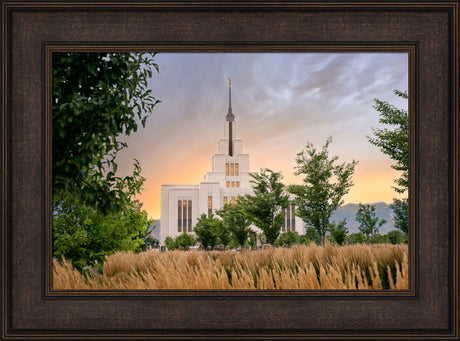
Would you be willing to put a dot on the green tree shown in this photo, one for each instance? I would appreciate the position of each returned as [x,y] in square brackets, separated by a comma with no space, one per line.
[288,238]
[369,223]
[170,243]
[236,221]
[311,235]
[266,206]
[397,237]
[97,98]
[205,230]
[184,241]
[394,142]
[86,236]
[401,214]
[304,239]
[338,231]
[222,232]
[252,242]
[356,238]
[379,239]
[324,185]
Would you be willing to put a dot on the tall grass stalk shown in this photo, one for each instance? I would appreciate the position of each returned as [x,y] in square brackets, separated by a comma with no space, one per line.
[350,267]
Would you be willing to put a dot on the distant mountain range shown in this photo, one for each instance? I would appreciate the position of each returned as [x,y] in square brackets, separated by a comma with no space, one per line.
[348,211]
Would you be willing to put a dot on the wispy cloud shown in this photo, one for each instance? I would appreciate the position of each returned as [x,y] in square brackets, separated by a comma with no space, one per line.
[281,101]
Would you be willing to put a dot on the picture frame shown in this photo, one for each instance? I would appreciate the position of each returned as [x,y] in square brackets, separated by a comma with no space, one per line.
[426,31]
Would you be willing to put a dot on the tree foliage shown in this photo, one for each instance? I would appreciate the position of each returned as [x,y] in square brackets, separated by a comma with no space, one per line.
[222,232]
[379,239]
[206,230]
[368,221]
[356,238]
[265,207]
[184,241]
[394,142]
[97,99]
[236,220]
[338,231]
[288,238]
[401,214]
[324,185]
[396,237]
[86,236]
[311,235]
[170,243]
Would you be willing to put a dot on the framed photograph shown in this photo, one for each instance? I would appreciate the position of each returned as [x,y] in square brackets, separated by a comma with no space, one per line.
[379,46]
[224,198]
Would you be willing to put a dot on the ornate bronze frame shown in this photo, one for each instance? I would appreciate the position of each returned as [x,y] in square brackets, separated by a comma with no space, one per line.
[426,31]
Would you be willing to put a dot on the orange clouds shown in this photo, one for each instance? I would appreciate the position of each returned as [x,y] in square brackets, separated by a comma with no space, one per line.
[372,180]
[281,102]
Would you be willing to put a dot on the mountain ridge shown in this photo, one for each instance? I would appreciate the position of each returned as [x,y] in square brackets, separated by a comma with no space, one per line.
[348,212]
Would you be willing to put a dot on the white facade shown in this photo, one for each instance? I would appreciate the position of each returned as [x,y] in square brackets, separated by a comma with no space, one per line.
[181,205]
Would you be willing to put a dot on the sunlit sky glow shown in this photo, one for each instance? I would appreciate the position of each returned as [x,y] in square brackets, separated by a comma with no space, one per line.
[281,101]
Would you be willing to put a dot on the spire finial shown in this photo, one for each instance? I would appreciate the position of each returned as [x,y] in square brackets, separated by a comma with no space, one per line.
[230,116]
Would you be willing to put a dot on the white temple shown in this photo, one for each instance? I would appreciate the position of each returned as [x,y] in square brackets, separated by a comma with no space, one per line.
[181,205]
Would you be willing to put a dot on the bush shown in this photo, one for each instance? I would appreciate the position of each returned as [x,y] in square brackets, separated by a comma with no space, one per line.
[184,241]
[356,238]
[288,238]
[397,237]
[379,239]
[305,240]
[170,243]
[86,236]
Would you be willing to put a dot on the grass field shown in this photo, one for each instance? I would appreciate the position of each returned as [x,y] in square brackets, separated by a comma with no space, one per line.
[356,267]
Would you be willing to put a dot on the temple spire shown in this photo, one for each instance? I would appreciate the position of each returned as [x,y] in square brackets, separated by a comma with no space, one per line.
[230,118]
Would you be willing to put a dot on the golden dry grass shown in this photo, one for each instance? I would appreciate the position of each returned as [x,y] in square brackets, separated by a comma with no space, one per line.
[357,267]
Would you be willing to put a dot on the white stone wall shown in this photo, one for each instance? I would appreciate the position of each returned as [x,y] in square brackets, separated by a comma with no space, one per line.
[170,195]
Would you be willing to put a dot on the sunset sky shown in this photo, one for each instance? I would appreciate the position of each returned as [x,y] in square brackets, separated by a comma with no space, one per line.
[281,101]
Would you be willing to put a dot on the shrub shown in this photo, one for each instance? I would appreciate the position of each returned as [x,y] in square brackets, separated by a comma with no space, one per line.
[170,243]
[356,238]
[397,237]
[379,239]
[86,236]
[184,241]
[288,238]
